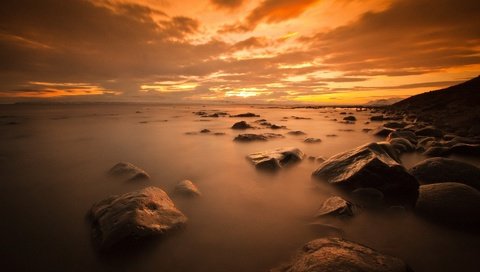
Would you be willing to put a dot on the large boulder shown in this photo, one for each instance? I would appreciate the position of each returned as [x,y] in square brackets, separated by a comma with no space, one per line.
[435,170]
[132,216]
[276,159]
[128,171]
[337,254]
[373,165]
[450,203]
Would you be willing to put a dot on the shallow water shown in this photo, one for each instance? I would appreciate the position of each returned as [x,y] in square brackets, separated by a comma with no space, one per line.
[53,163]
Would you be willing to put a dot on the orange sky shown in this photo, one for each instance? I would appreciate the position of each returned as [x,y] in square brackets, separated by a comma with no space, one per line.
[275,51]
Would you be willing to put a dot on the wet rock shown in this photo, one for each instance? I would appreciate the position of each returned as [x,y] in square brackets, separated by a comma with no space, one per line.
[337,254]
[377,118]
[437,151]
[187,188]
[450,203]
[250,137]
[312,140]
[296,132]
[382,131]
[241,125]
[133,216]
[300,118]
[276,159]
[331,135]
[405,134]
[429,132]
[425,143]
[368,197]
[437,170]
[337,207]
[219,133]
[402,145]
[395,125]
[366,130]
[128,171]
[350,118]
[374,165]
[205,131]
[322,229]
[248,114]
[466,149]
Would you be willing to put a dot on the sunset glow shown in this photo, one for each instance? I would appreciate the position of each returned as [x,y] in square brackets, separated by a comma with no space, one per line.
[275,51]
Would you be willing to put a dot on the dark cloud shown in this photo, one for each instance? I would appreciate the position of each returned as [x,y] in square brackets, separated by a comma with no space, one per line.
[271,11]
[230,4]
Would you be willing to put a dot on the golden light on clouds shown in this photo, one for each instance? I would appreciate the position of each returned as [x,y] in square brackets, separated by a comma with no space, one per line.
[275,51]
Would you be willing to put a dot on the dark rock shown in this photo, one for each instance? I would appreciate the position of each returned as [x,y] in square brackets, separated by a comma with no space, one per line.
[395,124]
[187,188]
[350,118]
[337,207]
[337,254]
[312,140]
[436,170]
[128,171]
[331,135]
[219,133]
[205,131]
[377,118]
[276,159]
[402,145]
[133,216]
[437,151]
[451,203]
[466,149]
[296,132]
[429,132]
[241,125]
[256,137]
[248,114]
[368,197]
[366,129]
[382,131]
[405,134]
[374,165]
[301,118]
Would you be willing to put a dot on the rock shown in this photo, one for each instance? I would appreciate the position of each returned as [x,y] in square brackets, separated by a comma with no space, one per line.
[331,135]
[366,129]
[256,137]
[336,254]
[336,206]
[350,118]
[311,158]
[322,229]
[450,203]
[437,151]
[312,140]
[402,145]
[367,197]
[248,114]
[377,118]
[128,171]
[466,149]
[425,143]
[382,131]
[241,125]
[219,133]
[187,188]
[320,159]
[205,131]
[436,170]
[133,216]
[374,165]
[395,124]
[296,132]
[276,159]
[429,132]
[300,118]
[273,126]
[405,134]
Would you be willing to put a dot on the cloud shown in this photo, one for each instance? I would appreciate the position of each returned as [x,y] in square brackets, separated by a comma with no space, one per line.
[230,4]
[271,11]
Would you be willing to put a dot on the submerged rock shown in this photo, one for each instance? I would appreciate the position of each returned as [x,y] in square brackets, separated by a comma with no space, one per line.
[133,216]
[128,171]
[250,137]
[382,131]
[248,114]
[187,188]
[337,207]
[276,159]
[241,125]
[350,118]
[436,170]
[296,132]
[451,203]
[337,254]
[205,130]
[373,165]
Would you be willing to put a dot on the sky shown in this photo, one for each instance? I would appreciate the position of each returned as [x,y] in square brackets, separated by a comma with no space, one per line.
[235,51]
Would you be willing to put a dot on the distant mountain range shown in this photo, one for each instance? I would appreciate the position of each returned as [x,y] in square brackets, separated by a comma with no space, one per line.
[456,108]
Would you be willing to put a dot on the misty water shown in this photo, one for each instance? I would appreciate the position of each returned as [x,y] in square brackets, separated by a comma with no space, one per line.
[54,161]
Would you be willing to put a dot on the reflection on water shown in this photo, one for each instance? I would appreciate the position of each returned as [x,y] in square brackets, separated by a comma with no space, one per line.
[53,165]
